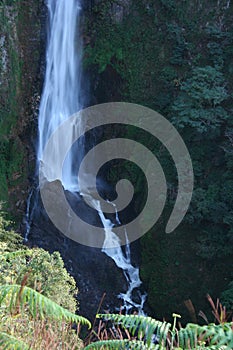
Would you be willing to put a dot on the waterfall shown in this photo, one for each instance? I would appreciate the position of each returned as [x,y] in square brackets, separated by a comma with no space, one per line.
[61,93]
[60,99]
[123,260]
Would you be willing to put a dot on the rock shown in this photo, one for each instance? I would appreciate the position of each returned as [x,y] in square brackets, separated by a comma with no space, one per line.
[95,273]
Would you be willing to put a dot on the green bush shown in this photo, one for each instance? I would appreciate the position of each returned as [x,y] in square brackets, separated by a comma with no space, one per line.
[46,272]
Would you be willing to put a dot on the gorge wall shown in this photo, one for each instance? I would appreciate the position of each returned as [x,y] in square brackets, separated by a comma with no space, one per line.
[174,58]
[22,56]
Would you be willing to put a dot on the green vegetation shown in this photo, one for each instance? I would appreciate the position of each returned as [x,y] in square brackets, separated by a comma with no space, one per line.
[42,269]
[176,58]
[37,296]
[16,296]
[45,272]
[38,310]
[30,319]
[19,61]
[143,330]
[11,153]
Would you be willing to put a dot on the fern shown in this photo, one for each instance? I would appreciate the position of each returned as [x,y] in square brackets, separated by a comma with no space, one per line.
[193,336]
[144,326]
[217,335]
[9,342]
[121,345]
[16,296]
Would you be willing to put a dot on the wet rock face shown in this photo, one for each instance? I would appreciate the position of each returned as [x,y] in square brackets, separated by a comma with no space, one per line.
[21,52]
[119,9]
[94,272]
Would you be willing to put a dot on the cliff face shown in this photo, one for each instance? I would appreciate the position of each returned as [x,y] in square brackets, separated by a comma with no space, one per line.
[172,56]
[21,50]
[22,67]
[175,57]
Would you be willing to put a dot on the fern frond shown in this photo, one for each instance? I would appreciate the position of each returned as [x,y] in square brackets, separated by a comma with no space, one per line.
[144,326]
[216,335]
[114,344]
[9,342]
[15,296]
[187,338]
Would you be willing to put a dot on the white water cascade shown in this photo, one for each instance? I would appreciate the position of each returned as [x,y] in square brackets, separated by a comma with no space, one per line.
[60,99]
[123,260]
[61,93]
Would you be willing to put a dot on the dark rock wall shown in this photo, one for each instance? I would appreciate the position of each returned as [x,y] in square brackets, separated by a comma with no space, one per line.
[154,53]
[22,49]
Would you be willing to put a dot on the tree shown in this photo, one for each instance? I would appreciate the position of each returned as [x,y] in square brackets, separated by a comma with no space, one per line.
[199,104]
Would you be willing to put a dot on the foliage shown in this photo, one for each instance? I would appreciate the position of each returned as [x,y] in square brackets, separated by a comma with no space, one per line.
[20,48]
[176,57]
[199,104]
[227,297]
[28,317]
[9,342]
[14,297]
[221,315]
[25,306]
[142,332]
[113,344]
[11,151]
[9,239]
[144,329]
[39,334]
[46,272]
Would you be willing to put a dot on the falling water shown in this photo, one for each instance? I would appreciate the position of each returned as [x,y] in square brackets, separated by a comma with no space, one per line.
[61,92]
[123,260]
[30,207]
[60,99]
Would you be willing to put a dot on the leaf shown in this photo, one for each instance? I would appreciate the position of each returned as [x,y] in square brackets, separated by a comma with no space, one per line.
[37,304]
[144,327]
[214,337]
[121,345]
[9,342]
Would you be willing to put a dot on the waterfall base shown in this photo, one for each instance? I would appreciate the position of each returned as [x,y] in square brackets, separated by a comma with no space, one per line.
[95,273]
